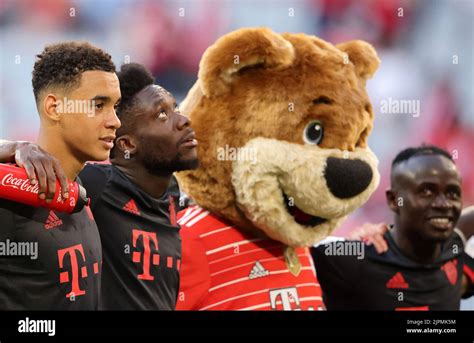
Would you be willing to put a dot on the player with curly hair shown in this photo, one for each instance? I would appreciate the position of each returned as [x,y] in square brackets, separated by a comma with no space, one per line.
[65,274]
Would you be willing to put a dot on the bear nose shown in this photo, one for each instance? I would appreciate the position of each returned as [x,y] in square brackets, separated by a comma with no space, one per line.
[347,178]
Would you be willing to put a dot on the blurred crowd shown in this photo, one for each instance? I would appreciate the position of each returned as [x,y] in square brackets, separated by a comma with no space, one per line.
[426,48]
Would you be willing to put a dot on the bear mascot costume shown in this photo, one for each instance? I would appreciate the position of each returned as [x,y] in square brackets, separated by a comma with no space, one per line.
[282,123]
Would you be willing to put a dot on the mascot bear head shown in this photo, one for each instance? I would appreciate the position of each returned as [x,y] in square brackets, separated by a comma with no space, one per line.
[282,123]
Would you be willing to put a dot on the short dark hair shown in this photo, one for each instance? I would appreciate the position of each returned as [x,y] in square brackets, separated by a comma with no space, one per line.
[62,64]
[408,153]
[133,78]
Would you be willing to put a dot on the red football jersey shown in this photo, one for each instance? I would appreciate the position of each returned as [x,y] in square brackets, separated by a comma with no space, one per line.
[225,269]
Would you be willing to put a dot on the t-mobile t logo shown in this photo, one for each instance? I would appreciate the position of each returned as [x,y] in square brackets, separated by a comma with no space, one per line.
[64,276]
[287,297]
[148,238]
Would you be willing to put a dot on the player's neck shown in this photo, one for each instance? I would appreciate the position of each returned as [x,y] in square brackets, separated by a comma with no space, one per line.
[152,184]
[418,250]
[56,147]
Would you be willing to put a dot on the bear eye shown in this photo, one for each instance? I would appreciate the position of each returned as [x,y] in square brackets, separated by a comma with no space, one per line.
[323,100]
[313,132]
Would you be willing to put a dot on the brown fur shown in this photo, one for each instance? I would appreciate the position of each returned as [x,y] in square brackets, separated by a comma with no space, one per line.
[231,104]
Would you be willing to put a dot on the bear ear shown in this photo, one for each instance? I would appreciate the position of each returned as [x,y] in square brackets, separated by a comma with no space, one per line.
[363,56]
[244,48]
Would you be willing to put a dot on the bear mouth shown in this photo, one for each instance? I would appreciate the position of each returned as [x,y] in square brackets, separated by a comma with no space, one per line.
[301,217]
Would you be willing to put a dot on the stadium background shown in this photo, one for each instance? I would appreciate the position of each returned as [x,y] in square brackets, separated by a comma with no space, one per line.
[426,48]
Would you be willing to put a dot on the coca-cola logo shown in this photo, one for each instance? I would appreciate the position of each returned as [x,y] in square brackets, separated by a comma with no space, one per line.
[19,183]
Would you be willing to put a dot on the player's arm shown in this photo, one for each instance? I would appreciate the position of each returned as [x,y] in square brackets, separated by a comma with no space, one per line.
[7,150]
[40,166]
[467,288]
[371,234]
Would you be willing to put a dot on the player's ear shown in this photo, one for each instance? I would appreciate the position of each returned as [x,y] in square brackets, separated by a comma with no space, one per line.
[51,108]
[392,201]
[127,145]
